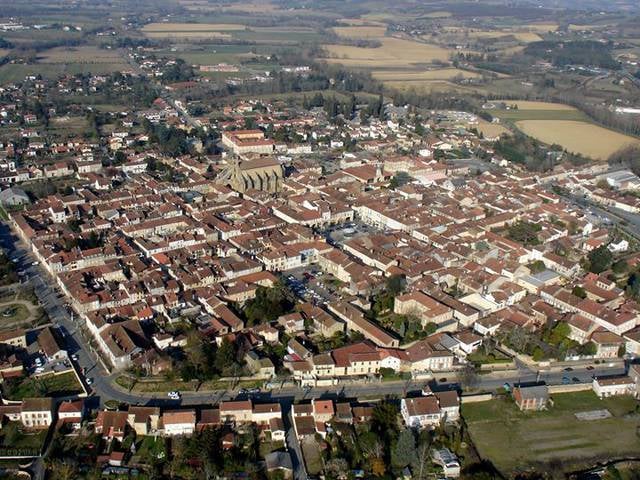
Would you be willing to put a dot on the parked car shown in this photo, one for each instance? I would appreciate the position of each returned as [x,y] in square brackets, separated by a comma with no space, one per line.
[174,395]
[74,357]
[565,380]
[89,381]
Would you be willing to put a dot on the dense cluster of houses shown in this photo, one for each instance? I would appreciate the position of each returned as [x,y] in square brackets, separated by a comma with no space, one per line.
[130,249]
[139,241]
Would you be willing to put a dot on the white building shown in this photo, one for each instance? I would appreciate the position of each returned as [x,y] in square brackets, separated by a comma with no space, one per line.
[179,422]
[36,413]
[612,386]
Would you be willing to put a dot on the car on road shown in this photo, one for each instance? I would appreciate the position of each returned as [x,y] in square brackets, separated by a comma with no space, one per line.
[174,395]
[568,369]
[590,367]
[575,380]
[565,380]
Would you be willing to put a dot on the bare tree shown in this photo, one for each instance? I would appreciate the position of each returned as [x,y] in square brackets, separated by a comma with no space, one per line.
[469,377]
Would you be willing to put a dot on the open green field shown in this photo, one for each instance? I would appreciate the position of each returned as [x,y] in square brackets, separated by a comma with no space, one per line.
[55,62]
[26,37]
[82,55]
[515,440]
[11,73]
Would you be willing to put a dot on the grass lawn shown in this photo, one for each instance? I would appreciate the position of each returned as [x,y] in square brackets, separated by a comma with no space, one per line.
[311,453]
[515,440]
[493,357]
[149,448]
[49,385]
[270,446]
[28,295]
[16,72]
[13,313]
[17,441]
[161,385]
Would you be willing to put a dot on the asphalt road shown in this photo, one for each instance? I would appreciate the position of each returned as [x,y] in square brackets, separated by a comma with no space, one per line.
[626,221]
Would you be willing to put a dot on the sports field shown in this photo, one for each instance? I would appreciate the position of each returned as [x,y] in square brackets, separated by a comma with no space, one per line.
[578,136]
[514,440]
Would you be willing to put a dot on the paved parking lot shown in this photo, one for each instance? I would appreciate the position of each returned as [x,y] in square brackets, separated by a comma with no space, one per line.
[312,285]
